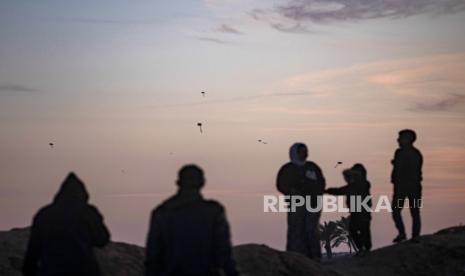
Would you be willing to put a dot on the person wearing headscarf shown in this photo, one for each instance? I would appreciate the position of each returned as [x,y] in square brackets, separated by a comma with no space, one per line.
[300,177]
[64,233]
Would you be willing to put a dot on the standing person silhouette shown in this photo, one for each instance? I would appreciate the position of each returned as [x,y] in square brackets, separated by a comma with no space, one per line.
[64,233]
[300,177]
[189,235]
[406,177]
[359,219]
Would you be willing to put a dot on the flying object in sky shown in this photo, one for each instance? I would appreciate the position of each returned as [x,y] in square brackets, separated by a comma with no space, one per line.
[337,164]
[200,127]
[263,142]
[203,93]
[51,145]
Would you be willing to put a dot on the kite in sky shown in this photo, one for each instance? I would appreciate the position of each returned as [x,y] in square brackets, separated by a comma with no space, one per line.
[337,164]
[200,127]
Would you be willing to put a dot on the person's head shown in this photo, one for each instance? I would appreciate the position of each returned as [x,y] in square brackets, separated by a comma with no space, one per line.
[72,190]
[298,153]
[190,177]
[359,168]
[356,174]
[347,173]
[406,138]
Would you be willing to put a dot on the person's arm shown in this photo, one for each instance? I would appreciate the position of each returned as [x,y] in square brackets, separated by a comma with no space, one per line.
[321,178]
[283,183]
[395,167]
[31,258]
[100,236]
[154,246]
[222,245]
[416,163]
[337,191]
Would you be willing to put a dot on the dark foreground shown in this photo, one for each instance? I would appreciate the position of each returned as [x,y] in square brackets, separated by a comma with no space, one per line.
[442,253]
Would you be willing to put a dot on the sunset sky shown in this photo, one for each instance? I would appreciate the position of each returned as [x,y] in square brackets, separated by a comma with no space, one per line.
[116,86]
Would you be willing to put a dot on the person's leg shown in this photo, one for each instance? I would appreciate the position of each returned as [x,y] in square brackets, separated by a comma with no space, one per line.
[414,204]
[313,234]
[354,231]
[296,234]
[397,205]
[367,233]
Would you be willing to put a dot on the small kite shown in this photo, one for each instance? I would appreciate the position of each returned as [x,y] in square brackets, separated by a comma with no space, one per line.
[337,164]
[200,127]
[203,93]
[51,145]
[263,142]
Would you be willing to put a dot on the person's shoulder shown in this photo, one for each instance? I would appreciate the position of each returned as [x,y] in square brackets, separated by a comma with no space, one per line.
[416,150]
[312,164]
[286,169]
[43,211]
[368,184]
[398,152]
[91,209]
[287,166]
[163,205]
[214,205]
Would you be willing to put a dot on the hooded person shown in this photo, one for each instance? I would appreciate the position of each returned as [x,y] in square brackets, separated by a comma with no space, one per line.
[360,218]
[300,177]
[189,235]
[64,233]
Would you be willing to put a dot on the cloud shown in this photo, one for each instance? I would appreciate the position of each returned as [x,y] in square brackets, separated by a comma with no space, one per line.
[294,16]
[212,39]
[16,88]
[445,103]
[431,83]
[297,28]
[224,28]
[322,11]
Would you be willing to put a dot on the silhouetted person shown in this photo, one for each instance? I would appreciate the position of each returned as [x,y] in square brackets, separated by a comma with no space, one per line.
[406,177]
[189,235]
[64,233]
[303,178]
[359,219]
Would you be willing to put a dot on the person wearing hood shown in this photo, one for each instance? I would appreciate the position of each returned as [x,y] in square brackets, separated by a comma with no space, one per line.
[302,178]
[189,235]
[360,218]
[64,233]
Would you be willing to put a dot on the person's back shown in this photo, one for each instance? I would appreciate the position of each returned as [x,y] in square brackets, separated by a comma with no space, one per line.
[64,233]
[189,235]
[407,165]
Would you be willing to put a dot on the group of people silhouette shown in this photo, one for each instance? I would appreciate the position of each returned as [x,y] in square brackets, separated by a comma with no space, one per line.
[190,235]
